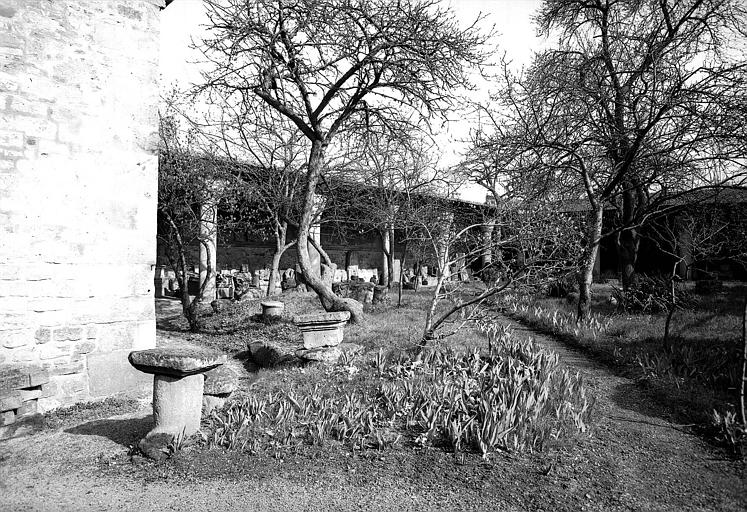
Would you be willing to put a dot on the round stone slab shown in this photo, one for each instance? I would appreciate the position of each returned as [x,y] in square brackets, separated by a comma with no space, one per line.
[220,381]
[323,318]
[176,361]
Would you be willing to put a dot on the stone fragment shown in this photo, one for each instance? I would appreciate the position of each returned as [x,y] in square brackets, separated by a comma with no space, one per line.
[380,294]
[7,417]
[328,355]
[220,380]
[268,354]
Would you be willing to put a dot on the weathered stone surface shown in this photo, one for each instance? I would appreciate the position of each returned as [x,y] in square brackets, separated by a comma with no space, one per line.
[321,318]
[176,361]
[177,404]
[327,335]
[10,400]
[111,373]
[19,377]
[220,380]
[212,402]
[7,417]
[329,355]
[268,354]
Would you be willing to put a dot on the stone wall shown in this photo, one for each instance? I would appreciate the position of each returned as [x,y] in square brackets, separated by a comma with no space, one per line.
[78,181]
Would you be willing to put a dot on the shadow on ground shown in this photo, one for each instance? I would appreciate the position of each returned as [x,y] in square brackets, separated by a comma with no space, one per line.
[123,431]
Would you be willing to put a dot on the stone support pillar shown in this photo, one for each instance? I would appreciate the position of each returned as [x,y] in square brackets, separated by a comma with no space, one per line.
[486,257]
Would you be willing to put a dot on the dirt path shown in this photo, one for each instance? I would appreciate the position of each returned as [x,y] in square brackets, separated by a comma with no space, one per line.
[652,463]
[635,460]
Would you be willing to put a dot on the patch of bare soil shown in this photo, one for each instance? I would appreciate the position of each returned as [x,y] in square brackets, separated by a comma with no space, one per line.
[635,459]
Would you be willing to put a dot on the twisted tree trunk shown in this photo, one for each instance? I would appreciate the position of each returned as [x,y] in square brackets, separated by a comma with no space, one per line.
[329,300]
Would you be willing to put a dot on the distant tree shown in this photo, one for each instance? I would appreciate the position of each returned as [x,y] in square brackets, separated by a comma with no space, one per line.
[393,174]
[267,156]
[540,245]
[332,66]
[639,101]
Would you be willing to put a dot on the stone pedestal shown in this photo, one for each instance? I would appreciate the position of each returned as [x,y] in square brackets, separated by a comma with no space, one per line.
[322,329]
[177,391]
[272,309]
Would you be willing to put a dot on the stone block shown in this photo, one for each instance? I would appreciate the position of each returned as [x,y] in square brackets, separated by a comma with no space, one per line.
[7,418]
[27,408]
[30,394]
[221,380]
[68,333]
[21,377]
[15,338]
[110,373]
[328,355]
[10,400]
[43,335]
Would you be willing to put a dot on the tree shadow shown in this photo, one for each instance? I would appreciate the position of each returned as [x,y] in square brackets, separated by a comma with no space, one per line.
[126,431]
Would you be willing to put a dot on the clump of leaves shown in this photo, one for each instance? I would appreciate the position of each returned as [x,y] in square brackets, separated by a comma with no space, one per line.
[517,398]
[730,431]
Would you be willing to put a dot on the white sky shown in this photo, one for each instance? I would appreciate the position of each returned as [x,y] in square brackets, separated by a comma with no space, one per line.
[184,20]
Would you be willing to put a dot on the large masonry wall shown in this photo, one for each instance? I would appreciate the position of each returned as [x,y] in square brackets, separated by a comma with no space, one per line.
[78,181]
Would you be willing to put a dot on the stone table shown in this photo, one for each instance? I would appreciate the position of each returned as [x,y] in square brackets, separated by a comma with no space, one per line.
[177,390]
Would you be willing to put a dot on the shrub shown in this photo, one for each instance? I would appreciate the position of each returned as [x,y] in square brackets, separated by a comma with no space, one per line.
[563,286]
[652,294]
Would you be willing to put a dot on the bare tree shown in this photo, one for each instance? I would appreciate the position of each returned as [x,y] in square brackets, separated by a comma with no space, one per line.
[638,102]
[539,245]
[331,65]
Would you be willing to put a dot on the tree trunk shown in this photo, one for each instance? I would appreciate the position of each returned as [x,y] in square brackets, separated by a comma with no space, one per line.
[402,262]
[586,272]
[386,251]
[742,412]
[329,300]
[629,240]
[627,255]
[672,306]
